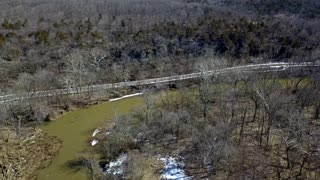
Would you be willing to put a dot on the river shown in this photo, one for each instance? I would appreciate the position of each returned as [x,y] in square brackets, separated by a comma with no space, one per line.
[75,129]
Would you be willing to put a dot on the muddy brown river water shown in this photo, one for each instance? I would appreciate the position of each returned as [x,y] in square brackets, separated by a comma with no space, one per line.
[75,129]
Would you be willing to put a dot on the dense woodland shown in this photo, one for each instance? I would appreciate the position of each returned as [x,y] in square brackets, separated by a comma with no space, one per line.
[121,40]
[247,126]
[235,127]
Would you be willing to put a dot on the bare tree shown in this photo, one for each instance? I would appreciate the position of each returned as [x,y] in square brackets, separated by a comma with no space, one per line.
[272,99]
[27,83]
[316,95]
[206,88]
[91,165]
[76,68]
[97,59]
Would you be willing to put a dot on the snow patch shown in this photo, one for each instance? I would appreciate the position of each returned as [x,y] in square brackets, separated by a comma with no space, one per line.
[276,66]
[95,132]
[126,96]
[173,169]
[117,167]
[94,142]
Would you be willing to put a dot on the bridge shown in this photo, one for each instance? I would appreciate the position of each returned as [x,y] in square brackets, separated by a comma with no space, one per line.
[266,67]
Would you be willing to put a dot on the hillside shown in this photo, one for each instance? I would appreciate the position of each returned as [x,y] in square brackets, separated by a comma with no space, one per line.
[210,110]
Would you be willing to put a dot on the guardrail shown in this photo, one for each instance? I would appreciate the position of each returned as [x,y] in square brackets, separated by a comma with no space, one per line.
[281,66]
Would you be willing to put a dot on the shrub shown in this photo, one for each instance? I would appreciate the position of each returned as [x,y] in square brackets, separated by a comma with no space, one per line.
[2,39]
[142,168]
[43,37]
[63,35]
[12,26]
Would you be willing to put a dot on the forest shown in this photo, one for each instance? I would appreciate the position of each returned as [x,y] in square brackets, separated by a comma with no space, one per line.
[239,125]
[122,40]
[235,127]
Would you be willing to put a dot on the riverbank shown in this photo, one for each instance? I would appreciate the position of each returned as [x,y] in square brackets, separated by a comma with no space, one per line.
[24,157]
[75,128]
[21,157]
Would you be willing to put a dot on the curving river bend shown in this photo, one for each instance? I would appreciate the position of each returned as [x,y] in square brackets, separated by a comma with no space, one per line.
[75,129]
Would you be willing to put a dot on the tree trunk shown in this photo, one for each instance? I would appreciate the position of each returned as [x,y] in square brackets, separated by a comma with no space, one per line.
[261,131]
[301,167]
[269,128]
[205,110]
[316,112]
[242,125]
[17,125]
[256,106]
[278,173]
[19,128]
[288,158]
[89,91]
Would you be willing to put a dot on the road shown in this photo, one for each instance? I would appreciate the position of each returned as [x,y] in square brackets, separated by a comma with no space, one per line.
[266,67]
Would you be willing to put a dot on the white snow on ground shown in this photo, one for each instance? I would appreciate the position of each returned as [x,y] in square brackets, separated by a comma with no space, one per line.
[117,167]
[126,96]
[276,66]
[173,170]
[95,132]
[94,142]
[107,133]
[283,67]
